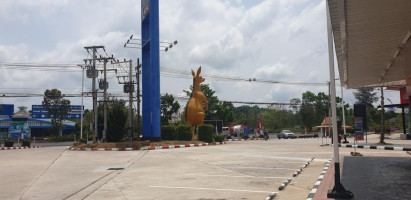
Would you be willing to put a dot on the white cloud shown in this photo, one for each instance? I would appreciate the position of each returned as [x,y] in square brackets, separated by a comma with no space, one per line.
[16,52]
[274,40]
[279,71]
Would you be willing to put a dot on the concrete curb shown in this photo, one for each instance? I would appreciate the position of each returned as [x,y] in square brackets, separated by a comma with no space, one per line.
[145,148]
[301,169]
[14,148]
[320,178]
[231,140]
[271,196]
[256,139]
[286,182]
[376,147]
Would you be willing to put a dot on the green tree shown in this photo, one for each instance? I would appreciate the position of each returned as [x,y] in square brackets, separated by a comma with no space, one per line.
[321,107]
[117,119]
[307,110]
[87,121]
[314,107]
[224,111]
[295,103]
[248,115]
[168,107]
[275,120]
[57,108]
[366,96]
[213,101]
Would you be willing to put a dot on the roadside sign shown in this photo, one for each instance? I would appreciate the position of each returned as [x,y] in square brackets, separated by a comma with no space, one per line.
[38,111]
[358,127]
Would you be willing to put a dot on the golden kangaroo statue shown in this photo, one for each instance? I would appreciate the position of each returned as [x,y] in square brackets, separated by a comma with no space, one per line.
[194,111]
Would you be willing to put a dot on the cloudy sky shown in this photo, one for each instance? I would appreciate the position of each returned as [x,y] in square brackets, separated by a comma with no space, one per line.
[274,40]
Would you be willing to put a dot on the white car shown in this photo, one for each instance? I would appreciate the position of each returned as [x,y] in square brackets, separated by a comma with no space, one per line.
[286,134]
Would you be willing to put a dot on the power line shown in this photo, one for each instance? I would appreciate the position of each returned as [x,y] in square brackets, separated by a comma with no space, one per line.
[165,71]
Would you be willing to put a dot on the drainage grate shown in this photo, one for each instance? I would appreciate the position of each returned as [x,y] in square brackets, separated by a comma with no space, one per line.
[119,168]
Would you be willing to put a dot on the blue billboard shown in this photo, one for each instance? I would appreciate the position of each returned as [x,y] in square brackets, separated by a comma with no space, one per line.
[38,111]
[6,110]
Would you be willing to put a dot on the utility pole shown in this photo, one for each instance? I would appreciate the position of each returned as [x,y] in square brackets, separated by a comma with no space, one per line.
[138,97]
[92,73]
[105,87]
[130,101]
[129,88]
[95,97]
[82,105]
[105,84]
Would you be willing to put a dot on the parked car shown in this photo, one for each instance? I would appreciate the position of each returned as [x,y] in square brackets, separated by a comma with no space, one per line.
[286,134]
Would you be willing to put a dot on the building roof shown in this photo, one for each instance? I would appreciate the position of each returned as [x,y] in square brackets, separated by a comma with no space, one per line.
[22,113]
[372,41]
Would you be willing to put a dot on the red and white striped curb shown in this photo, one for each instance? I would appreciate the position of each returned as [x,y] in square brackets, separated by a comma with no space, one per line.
[244,139]
[24,147]
[144,148]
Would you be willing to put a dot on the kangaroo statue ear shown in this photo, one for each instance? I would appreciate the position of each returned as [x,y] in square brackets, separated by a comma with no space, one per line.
[192,72]
[199,71]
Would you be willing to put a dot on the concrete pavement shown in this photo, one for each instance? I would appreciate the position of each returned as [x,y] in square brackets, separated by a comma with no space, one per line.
[238,170]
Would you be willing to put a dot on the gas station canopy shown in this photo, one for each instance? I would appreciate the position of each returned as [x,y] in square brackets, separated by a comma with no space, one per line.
[372,41]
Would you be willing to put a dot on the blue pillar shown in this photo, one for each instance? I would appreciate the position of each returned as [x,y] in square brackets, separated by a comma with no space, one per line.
[150,69]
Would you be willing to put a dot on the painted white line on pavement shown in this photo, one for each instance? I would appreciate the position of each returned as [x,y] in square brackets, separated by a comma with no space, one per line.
[320,160]
[278,157]
[211,175]
[267,168]
[216,189]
